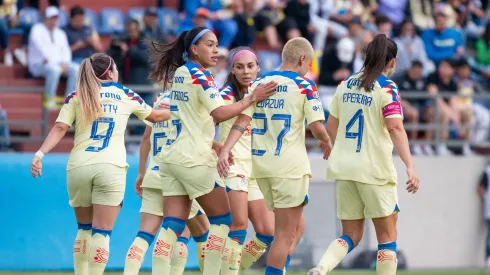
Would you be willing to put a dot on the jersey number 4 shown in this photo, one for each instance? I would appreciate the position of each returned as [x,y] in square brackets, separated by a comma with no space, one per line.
[358,116]
[262,131]
[105,137]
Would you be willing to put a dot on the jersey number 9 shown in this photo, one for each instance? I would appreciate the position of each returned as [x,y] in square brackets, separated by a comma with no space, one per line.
[262,131]
[358,116]
[105,137]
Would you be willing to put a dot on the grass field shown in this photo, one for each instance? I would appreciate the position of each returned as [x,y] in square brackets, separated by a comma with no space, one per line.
[289,273]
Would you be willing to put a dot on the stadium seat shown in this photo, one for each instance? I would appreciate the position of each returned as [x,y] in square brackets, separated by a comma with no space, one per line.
[91,18]
[168,20]
[63,19]
[111,21]
[269,61]
[29,16]
[136,14]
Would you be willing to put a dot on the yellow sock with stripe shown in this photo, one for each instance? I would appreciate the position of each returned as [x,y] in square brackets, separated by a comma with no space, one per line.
[336,252]
[233,252]
[200,248]
[99,251]
[81,249]
[218,232]
[387,262]
[254,249]
[179,259]
[137,252]
[165,245]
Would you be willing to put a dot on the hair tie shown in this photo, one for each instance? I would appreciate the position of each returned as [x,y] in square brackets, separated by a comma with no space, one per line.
[106,70]
[201,33]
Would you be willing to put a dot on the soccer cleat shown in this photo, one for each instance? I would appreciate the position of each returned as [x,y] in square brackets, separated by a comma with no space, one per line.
[317,270]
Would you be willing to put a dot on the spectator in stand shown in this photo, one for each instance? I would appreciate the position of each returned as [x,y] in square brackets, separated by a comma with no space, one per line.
[35,3]
[337,62]
[421,13]
[355,30]
[440,81]
[462,105]
[366,38]
[151,30]
[221,18]
[201,19]
[483,54]
[299,11]
[384,25]
[4,131]
[395,10]
[411,48]
[442,43]
[270,15]
[220,70]
[320,11]
[411,81]
[244,14]
[50,56]
[9,19]
[84,40]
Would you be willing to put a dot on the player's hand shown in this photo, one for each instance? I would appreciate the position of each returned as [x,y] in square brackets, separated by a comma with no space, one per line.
[413,181]
[137,186]
[224,163]
[327,148]
[36,167]
[264,91]
[163,105]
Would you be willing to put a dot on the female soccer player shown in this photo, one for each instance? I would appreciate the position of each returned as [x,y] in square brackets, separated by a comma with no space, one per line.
[365,122]
[96,172]
[149,188]
[190,164]
[246,199]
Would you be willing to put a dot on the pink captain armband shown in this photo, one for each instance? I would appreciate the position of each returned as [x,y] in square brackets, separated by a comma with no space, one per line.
[394,108]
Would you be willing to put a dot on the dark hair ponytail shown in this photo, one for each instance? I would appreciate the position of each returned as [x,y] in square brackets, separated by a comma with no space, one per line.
[378,54]
[166,58]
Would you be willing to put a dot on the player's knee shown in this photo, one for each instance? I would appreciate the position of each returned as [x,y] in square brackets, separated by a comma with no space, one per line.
[222,219]
[239,223]
[175,224]
[264,229]
[387,236]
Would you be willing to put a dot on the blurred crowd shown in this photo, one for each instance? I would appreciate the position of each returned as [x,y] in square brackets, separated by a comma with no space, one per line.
[443,49]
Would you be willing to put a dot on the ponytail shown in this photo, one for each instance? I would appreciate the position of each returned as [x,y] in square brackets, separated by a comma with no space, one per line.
[92,71]
[166,58]
[87,88]
[378,54]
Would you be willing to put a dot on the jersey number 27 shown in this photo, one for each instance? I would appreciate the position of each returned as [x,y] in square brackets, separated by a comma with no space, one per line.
[262,131]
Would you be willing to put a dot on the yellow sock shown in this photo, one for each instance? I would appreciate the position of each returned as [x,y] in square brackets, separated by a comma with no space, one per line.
[336,252]
[81,250]
[387,262]
[213,255]
[200,248]
[163,251]
[179,259]
[231,257]
[251,252]
[99,251]
[136,253]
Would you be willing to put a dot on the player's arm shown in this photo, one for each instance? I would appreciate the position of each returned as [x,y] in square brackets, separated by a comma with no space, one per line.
[64,121]
[158,115]
[226,112]
[145,147]
[313,111]
[320,133]
[332,127]
[235,134]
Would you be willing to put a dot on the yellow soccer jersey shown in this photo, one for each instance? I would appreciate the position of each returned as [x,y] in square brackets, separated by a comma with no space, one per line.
[193,97]
[158,138]
[103,141]
[363,147]
[278,126]
[242,154]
